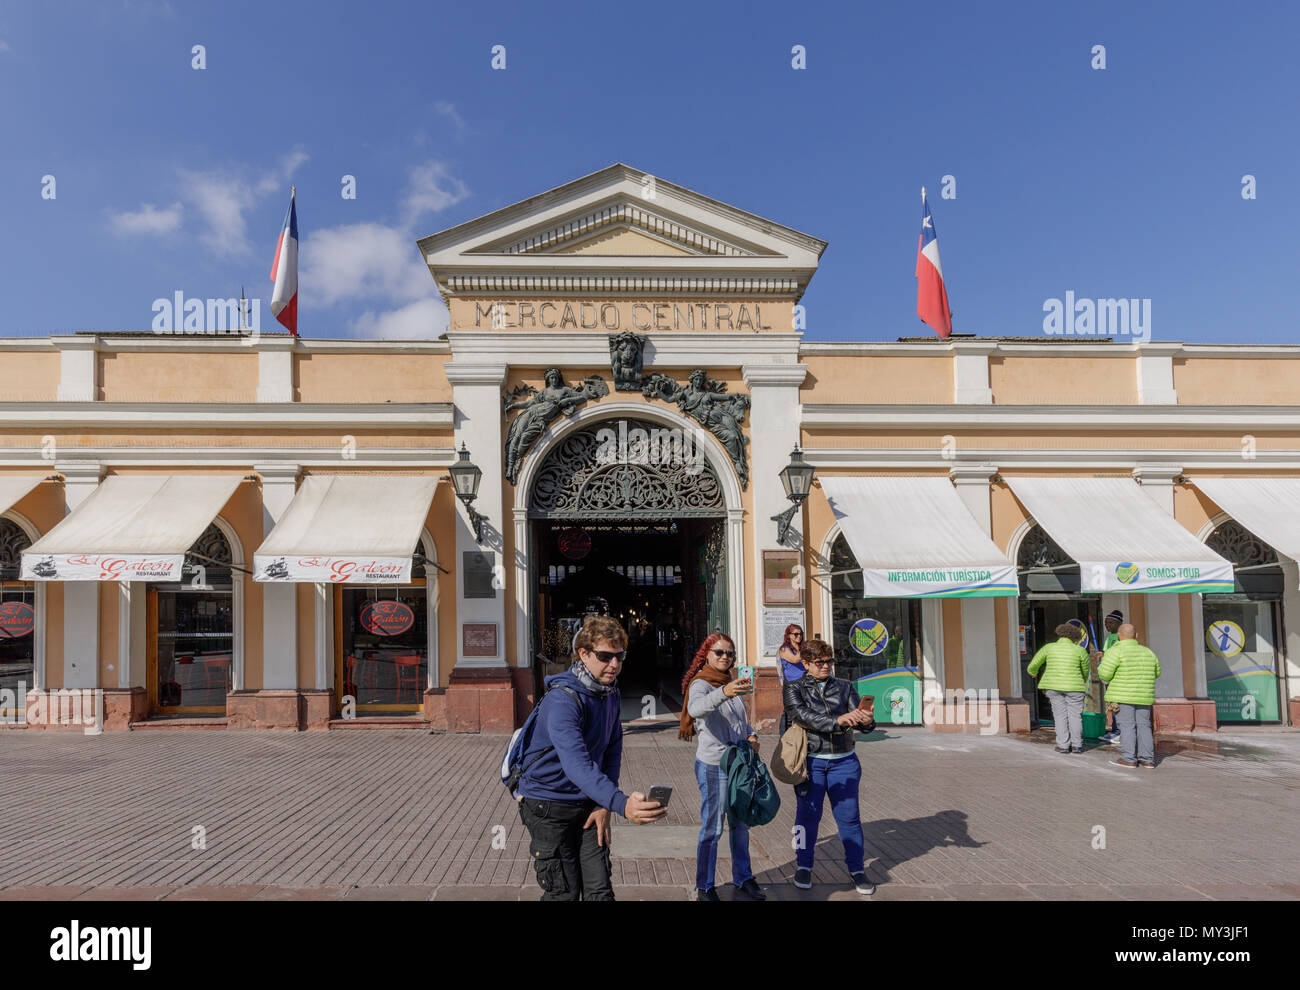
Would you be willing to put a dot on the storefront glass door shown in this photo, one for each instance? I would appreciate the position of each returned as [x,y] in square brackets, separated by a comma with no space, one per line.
[1039,618]
[383,639]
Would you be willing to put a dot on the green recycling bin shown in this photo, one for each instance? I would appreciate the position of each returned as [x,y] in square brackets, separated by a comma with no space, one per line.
[1094,725]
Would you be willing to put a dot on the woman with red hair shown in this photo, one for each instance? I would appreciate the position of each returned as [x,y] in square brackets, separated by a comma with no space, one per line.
[791,665]
[714,705]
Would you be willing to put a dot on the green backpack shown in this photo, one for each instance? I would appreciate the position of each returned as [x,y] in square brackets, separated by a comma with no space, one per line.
[751,795]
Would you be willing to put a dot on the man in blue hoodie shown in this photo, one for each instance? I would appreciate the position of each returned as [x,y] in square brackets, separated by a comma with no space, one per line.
[572,762]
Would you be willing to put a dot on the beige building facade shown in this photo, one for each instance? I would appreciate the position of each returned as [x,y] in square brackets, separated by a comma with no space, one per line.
[264,532]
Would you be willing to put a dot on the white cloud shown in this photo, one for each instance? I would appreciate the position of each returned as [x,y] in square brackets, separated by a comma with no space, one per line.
[421,320]
[381,262]
[4,46]
[448,110]
[432,190]
[361,261]
[149,219]
[221,200]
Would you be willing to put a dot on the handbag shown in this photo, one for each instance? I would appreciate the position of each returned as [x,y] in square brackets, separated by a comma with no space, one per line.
[790,757]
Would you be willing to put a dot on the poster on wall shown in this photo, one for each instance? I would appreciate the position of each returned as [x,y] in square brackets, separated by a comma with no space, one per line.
[781,584]
[479,569]
[774,622]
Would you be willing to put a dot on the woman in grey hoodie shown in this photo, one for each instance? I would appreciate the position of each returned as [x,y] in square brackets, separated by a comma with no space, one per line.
[715,706]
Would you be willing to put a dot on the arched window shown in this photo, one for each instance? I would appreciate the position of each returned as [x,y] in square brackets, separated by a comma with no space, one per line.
[1044,567]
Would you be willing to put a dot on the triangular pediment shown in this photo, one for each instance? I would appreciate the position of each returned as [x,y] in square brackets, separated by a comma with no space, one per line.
[615,227]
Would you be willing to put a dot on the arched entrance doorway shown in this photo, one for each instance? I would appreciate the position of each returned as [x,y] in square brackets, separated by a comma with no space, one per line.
[1243,631]
[1050,595]
[627,516]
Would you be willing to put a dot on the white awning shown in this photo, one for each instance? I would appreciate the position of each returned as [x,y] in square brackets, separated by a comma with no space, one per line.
[915,538]
[130,528]
[1120,538]
[348,529]
[1267,507]
[14,490]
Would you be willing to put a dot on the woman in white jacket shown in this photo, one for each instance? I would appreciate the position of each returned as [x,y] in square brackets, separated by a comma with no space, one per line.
[715,706]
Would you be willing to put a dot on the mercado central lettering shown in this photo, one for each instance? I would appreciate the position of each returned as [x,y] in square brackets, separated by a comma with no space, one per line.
[625,415]
[594,315]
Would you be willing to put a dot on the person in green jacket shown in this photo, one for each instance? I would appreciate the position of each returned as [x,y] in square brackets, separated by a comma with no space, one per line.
[1131,670]
[1065,680]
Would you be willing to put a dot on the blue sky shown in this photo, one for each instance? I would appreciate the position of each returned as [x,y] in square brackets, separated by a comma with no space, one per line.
[1125,181]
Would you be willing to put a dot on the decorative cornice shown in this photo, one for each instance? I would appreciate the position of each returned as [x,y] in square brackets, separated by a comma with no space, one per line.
[774,374]
[483,373]
[229,415]
[675,285]
[1127,418]
[625,215]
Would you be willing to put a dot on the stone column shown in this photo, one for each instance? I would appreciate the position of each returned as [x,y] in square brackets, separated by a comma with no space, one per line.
[275,704]
[979,615]
[1164,634]
[774,432]
[80,598]
[481,689]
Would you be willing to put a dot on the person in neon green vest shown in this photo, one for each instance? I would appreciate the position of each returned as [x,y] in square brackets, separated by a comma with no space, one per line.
[1131,670]
[894,650]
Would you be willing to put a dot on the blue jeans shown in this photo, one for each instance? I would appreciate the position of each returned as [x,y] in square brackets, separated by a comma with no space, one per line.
[839,778]
[713,808]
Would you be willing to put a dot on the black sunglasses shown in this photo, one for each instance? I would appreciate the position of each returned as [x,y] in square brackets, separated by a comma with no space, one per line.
[724,653]
[609,656]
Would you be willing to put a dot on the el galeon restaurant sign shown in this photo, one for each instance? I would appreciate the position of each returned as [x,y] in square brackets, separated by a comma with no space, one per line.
[387,618]
[619,316]
[102,567]
[333,570]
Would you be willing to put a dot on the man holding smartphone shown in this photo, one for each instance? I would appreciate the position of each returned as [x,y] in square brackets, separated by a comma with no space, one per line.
[570,784]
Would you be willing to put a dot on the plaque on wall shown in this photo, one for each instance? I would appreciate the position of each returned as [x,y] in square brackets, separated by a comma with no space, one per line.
[781,584]
[774,622]
[478,574]
[478,639]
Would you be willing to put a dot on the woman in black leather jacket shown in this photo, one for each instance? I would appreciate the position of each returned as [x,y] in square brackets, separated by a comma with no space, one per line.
[827,707]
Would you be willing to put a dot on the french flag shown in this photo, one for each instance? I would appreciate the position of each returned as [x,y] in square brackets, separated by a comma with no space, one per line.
[931,296]
[284,270]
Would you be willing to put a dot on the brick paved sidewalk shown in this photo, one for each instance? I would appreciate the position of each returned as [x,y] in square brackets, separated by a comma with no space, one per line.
[404,814]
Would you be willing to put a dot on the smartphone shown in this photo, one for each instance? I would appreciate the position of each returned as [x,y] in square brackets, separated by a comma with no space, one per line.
[660,793]
[745,672]
[867,703]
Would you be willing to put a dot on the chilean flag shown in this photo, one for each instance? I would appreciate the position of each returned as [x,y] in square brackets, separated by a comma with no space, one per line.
[931,296]
[284,270]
